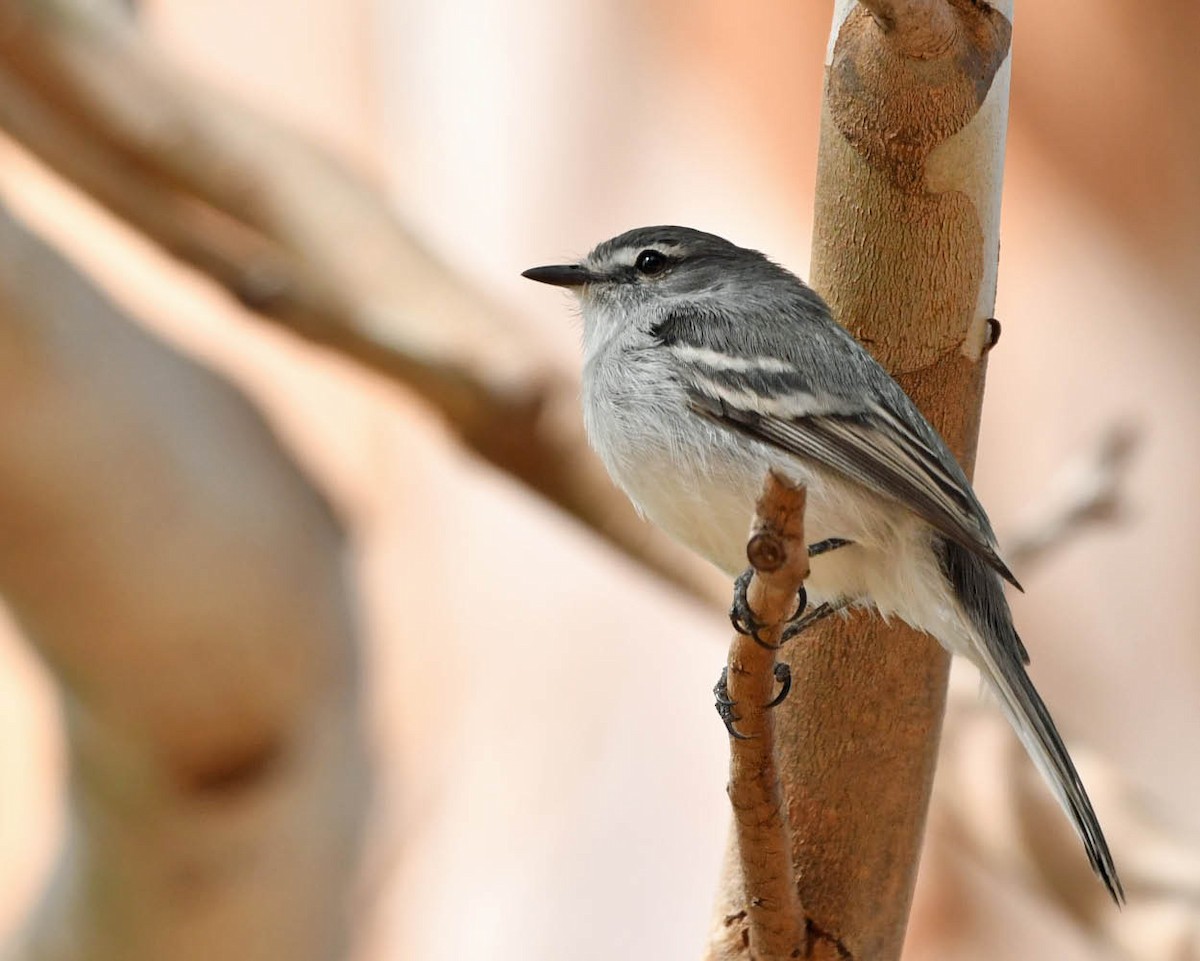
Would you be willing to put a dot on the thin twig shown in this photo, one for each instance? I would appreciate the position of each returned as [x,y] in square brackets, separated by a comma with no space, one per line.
[779,555]
[1087,492]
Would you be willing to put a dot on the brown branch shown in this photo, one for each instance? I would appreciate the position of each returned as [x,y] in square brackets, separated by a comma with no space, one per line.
[1087,492]
[771,917]
[904,249]
[302,241]
[244,263]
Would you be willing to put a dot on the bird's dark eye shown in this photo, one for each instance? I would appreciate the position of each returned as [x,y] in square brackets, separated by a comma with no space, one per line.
[650,262]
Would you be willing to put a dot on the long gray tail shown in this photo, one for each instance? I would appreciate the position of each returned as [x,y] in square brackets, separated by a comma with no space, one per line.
[1001,657]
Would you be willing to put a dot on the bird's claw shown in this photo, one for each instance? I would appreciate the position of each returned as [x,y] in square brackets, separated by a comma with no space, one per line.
[725,704]
[725,707]
[740,614]
[783,674]
[801,604]
[742,617]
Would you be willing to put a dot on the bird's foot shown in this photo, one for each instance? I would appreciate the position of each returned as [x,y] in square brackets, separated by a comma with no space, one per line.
[742,617]
[783,674]
[725,707]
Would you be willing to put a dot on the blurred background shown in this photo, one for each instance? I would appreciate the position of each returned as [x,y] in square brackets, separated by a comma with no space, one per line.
[546,759]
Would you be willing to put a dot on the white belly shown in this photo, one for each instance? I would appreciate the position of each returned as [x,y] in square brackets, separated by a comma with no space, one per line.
[699,482]
[703,494]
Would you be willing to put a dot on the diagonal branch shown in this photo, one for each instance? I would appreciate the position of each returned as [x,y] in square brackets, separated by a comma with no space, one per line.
[1088,491]
[304,242]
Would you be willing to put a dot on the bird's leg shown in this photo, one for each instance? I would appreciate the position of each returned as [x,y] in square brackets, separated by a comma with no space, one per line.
[827,545]
[725,706]
[800,620]
[798,625]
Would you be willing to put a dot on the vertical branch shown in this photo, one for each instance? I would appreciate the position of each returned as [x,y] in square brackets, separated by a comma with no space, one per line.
[772,921]
[905,250]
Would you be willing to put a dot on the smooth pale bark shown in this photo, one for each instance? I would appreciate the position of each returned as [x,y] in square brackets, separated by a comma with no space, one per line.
[905,250]
[184,583]
[304,241]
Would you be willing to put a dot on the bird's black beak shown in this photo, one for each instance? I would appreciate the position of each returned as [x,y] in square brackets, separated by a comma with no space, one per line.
[560,275]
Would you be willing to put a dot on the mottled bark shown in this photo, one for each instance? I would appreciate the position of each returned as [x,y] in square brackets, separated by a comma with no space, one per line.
[771,921]
[905,250]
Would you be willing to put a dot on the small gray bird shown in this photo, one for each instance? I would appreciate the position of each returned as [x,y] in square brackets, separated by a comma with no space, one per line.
[705,365]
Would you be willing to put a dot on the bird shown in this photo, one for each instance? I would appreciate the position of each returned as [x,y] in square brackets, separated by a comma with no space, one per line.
[707,364]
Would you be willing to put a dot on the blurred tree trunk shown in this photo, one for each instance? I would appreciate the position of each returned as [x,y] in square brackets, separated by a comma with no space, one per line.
[905,250]
[184,583]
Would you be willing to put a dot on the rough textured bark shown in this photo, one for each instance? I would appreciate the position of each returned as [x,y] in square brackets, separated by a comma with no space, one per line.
[905,250]
[770,923]
[184,583]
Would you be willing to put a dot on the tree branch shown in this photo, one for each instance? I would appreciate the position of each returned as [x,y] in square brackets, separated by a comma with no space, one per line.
[302,241]
[1086,492]
[205,652]
[772,921]
[905,250]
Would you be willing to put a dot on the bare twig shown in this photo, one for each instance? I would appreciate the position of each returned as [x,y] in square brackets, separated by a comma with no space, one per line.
[302,241]
[1088,491]
[773,918]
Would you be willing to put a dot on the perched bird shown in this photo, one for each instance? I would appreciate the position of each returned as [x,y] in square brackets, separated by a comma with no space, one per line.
[706,364]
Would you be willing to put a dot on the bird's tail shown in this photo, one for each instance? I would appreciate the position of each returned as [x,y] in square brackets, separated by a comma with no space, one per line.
[1001,657]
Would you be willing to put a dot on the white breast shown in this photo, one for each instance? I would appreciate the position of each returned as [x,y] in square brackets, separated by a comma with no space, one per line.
[699,482]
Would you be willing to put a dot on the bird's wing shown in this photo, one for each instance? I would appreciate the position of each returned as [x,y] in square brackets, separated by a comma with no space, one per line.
[868,441]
